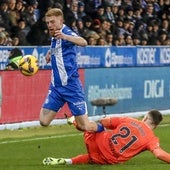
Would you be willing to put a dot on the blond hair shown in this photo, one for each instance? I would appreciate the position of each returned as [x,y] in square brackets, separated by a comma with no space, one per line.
[54,12]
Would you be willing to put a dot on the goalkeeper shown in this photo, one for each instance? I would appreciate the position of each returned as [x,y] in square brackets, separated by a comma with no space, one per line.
[124,138]
[14,56]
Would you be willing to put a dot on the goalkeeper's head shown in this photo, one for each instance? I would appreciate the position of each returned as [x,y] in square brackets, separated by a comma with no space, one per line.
[153,118]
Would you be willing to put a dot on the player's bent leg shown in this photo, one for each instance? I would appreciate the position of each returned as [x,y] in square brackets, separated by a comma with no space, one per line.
[46,116]
[81,159]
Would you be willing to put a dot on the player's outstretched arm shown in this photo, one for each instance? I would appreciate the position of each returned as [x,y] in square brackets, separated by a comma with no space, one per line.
[161,154]
[76,40]
[80,41]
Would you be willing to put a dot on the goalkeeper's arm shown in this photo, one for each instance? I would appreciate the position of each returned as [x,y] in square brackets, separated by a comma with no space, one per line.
[110,122]
[161,154]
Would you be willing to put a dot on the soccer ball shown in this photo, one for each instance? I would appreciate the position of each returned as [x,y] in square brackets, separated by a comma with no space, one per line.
[28,65]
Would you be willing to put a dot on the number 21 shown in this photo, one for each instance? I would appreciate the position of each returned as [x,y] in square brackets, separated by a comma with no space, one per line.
[126,133]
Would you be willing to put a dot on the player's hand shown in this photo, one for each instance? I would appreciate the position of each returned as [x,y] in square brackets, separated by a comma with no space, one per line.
[59,35]
[48,56]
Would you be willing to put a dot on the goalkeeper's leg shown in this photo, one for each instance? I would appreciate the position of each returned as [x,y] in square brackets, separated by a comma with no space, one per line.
[80,159]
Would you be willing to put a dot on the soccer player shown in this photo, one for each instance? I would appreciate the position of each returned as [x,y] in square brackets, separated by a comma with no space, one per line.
[124,138]
[65,84]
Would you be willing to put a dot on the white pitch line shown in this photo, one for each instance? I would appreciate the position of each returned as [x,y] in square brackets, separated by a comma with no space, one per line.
[50,137]
[39,138]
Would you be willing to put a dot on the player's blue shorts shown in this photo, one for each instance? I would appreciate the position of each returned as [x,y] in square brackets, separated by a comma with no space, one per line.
[72,93]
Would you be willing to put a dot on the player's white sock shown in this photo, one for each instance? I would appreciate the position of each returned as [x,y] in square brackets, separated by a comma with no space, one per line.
[68,161]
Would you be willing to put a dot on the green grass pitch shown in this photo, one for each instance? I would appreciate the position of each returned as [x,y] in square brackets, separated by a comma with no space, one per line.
[24,149]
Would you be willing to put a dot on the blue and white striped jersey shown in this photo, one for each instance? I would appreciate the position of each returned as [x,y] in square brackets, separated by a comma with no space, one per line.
[63,59]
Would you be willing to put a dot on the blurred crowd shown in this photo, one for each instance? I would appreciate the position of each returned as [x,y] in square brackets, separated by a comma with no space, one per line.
[100,22]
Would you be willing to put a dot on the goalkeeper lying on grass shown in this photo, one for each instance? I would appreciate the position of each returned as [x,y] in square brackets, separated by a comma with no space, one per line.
[124,138]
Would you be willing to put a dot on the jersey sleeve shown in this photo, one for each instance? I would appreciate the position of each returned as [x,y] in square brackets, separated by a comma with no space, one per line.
[153,144]
[159,153]
[69,32]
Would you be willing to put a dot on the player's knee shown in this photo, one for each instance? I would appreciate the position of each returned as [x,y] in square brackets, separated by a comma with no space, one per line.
[44,123]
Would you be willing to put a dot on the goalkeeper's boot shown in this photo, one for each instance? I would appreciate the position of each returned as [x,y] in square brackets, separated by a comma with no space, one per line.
[70,120]
[54,161]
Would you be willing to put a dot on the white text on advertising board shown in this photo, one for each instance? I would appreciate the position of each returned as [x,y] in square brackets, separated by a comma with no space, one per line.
[146,55]
[165,55]
[113,59]
[114,91]
[153,88]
